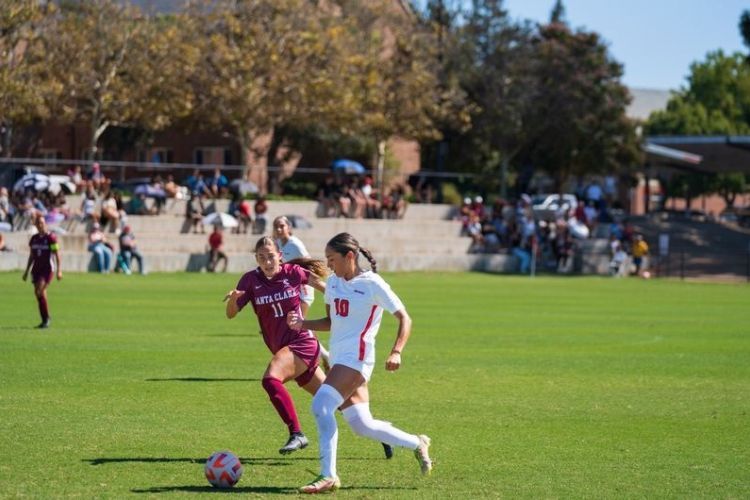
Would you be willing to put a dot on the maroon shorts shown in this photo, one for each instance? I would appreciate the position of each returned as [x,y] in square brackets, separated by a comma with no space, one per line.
[44,275]
[307,349]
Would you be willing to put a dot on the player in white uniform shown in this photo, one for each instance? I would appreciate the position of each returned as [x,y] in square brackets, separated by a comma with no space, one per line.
[355,300]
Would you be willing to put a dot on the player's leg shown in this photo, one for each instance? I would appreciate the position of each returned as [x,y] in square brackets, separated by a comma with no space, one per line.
[40,291]
[340,383]
[284,366]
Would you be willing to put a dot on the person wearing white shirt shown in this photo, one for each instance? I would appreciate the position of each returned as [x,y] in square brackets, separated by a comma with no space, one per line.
[355,300]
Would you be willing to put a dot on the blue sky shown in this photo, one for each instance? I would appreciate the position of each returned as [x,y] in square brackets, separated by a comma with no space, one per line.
[656,40]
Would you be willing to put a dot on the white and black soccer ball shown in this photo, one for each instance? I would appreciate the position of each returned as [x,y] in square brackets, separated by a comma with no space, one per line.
[223,469]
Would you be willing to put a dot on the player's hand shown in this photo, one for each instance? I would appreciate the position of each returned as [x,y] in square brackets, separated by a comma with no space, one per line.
[393,362]
[25,276]
[233,295]
[59,275]
[294,320]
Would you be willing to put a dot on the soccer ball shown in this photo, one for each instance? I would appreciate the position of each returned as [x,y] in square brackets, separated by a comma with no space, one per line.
[223,469]
[646,275]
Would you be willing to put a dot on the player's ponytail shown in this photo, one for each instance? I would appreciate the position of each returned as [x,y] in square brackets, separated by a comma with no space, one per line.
[315,266]
[370,259]
[344,243]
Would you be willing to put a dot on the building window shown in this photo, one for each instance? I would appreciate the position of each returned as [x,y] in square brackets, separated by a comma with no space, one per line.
[212,156]
[155,155]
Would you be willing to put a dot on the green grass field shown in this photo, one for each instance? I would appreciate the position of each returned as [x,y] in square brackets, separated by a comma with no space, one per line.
[532,388]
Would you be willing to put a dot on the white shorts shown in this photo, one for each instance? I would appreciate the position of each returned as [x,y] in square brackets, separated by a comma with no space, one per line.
[351,359]
[307,294]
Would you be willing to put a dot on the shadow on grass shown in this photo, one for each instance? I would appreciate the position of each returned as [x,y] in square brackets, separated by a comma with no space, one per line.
[211,489]
[202,379]
[255,489]
[270,461]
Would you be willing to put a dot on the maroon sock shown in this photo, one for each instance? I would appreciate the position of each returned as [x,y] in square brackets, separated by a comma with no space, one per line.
[43,310]
[282,401]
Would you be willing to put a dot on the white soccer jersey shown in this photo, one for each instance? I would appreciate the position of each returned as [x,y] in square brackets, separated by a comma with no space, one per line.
[356,308]
[293,249]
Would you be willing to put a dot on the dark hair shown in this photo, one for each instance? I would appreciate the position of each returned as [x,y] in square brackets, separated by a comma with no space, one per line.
[315,266]
[344,243]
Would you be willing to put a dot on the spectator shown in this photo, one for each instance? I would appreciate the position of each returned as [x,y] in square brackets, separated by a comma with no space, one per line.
[110,217]
[76,176]
[261,218]
[137,205]
[157,193]
[129,250]
[97,178]
[241,209]
[3,246]
[194,211]
[101,249]
[196,184]
[88,207]
[373,204]
[216,252]
[639,252]
[5,207]
[171,189]
[394,204]
[618,256]
[217,184]
[359,200]
[326,197]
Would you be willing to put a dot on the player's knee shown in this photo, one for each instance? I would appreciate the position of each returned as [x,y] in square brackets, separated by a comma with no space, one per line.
[360,419]
[325,401]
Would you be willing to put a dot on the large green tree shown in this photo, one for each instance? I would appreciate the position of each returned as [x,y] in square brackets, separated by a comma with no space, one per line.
[25,86]
[577,124]
[117,67]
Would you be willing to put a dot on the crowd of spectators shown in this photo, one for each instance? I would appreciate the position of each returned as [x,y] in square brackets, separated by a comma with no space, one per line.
[550,242]
[355,197]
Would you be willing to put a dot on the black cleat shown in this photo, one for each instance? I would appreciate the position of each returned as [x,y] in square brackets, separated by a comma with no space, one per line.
[388,450]
[296,441]
[44,324]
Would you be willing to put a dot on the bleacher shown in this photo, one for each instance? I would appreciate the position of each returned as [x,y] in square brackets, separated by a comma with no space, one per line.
[425,239]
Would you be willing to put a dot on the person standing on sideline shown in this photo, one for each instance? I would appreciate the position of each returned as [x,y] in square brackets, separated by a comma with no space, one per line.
[43,247]
[355,300]
[639,250]
[216,250]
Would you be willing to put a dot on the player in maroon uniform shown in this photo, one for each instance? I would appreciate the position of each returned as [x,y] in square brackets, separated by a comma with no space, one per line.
[273,289]
[43,247]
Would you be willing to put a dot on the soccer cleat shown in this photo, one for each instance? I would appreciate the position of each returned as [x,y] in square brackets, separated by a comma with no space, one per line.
[44,324]
[296,441]
[321,484]
[388,450]
[423,457]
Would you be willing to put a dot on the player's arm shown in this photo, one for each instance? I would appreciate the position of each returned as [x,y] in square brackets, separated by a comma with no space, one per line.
[393,362]
[55,247]
[296,322]
[316,282]
[28,265]
[231,299]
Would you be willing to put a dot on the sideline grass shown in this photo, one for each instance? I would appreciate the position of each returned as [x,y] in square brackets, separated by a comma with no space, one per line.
[551,387]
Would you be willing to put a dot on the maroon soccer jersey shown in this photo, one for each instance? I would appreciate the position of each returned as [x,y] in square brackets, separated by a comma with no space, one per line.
[272,300]
[41,253]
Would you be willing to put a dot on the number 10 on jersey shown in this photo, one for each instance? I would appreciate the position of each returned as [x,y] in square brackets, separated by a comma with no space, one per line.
[342,307]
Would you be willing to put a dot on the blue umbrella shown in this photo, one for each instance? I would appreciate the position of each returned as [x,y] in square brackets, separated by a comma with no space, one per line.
[348,166]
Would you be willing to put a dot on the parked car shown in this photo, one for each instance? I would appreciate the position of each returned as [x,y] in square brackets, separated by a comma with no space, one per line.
[545,206]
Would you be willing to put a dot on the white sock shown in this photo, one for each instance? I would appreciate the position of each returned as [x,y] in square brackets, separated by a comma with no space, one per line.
[360,419]
[324,353]
[324,405]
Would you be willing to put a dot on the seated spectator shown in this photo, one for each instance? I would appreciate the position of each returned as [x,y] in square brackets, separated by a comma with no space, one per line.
[156,192]
[217,184]
[171,189]
[76,176]
[110,215]
[325,197]
[137,205]
[129,251]
[474,231]
[394,204]
[373,204]
[216,252]
[341,199]
[88,207]
[261,217]
[197,184]
[194,210]
[99,182]
[358,200]
[3,246]
[101,249]
[6,214]
[242,211]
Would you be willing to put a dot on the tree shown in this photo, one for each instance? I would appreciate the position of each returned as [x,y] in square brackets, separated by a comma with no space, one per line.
[715,101]
[745,28]
[577,124]
[117,67]
[729,186]
[25,89]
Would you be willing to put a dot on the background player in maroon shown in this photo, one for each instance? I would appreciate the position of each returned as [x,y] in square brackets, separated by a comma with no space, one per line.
[43,247]
[273,289]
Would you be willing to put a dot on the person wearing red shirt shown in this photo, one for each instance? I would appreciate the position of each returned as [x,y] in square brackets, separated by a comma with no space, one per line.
[215,252]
